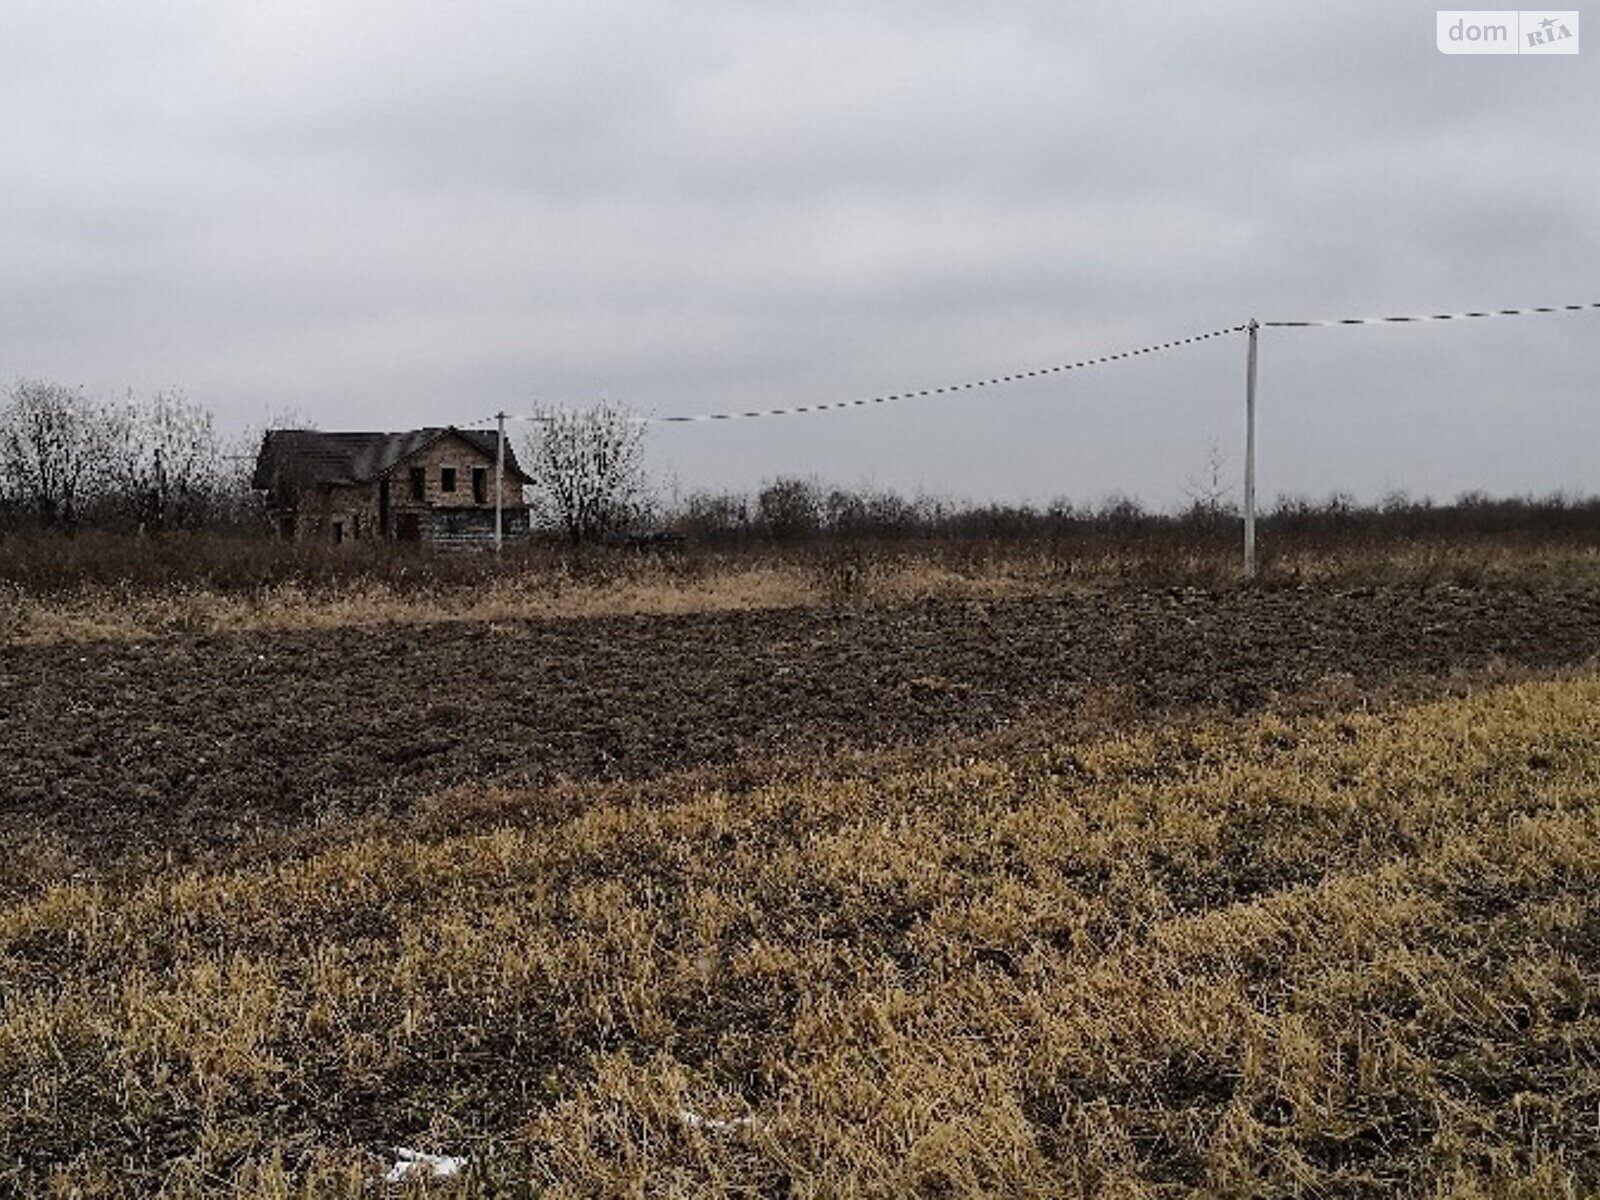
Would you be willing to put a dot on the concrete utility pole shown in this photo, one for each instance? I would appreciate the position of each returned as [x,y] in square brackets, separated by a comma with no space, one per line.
[500,481]
[1250,456]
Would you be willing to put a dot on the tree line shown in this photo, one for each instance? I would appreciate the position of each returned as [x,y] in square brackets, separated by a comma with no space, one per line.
[799,510]
[145,463]
[587,465]
[156,463]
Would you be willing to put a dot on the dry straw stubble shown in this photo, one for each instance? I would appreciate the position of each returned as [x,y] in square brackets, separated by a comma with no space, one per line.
[1344,954]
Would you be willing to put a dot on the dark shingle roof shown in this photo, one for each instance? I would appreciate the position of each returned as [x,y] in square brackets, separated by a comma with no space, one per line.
[314,456]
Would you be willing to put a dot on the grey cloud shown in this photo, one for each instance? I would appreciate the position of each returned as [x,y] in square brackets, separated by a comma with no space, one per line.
[389,214]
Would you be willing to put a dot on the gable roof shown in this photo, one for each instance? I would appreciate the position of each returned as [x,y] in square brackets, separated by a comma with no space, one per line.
[314,456]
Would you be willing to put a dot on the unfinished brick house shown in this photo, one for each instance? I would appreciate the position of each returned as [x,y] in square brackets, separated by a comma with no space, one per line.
[425,485]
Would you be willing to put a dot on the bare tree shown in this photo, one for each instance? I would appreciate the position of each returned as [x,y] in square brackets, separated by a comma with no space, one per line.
[53,442]
[587,467]
[1210,495]
[168,468]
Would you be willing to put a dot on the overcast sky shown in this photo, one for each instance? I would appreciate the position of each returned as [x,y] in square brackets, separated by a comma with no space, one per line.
[387,215]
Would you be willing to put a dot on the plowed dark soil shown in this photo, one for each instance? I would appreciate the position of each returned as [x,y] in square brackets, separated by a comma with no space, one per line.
[195,741]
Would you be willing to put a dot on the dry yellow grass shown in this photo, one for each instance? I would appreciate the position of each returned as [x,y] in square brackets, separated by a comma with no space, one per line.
[96,614]
[758,581]
[1339,954]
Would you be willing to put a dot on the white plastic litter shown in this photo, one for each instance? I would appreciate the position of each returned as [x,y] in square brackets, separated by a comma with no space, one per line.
[409,1162]
[715,1124]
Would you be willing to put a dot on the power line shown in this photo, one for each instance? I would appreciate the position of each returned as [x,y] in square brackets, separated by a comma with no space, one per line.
[920,393]
[1018,376]
[1458,316]
[1014,377]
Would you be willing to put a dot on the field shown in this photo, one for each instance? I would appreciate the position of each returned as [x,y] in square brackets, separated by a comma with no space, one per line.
[1016,883]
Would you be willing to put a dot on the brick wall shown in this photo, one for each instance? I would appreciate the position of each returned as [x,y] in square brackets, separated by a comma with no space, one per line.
[457,453]
[356,506]
[454,526]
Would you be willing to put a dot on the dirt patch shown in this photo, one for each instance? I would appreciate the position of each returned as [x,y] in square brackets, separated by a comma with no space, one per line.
[201,740]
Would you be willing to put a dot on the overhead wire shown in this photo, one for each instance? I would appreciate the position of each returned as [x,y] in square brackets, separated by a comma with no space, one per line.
[1040,372]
